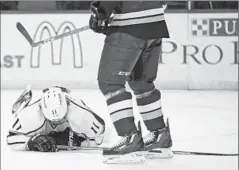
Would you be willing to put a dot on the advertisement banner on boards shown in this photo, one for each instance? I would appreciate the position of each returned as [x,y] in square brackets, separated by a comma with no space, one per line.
[202,52]
[72,60]
[205,52]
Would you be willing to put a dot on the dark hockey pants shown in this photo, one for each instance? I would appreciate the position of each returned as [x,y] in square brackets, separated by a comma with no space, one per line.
[133,60]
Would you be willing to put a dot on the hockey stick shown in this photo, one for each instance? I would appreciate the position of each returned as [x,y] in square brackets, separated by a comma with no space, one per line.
[204,153]
[71,148]
[24,32]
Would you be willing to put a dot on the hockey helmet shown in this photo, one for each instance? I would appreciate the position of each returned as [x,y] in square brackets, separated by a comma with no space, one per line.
[54,105]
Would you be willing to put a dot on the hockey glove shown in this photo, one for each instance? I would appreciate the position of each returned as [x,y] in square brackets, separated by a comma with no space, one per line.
[42,143]
[97,19]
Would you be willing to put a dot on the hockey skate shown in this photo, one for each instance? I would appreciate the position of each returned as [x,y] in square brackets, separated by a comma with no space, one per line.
[128,150]
[22,101]
[157,144]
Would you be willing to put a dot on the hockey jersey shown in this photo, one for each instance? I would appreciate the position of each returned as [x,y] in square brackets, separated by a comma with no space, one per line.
[143,19]
[31,121]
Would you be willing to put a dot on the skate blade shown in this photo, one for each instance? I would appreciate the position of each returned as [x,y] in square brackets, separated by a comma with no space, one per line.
[159,153]
[22,101]
[131,158]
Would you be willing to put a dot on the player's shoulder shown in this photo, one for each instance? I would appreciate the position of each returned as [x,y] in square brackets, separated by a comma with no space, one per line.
[30,118]
[76,109]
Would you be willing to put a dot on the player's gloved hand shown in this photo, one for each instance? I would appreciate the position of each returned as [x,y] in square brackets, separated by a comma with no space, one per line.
[42,143]
[97,19]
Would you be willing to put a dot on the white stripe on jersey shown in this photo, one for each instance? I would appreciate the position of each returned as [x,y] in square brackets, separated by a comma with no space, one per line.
[144,13]
[135,21]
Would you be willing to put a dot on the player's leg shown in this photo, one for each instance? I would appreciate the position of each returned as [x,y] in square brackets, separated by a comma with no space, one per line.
[148,99]
[119,56]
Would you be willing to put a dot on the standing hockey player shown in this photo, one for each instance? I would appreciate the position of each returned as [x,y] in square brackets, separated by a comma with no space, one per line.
[55,119]
[134,32]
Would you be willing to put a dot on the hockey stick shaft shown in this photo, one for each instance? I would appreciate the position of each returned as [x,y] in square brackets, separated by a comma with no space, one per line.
[203,153]
[24,32]
[61,35]
[61,147]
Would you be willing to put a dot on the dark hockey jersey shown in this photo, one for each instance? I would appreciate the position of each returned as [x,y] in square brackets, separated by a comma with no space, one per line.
[143,19]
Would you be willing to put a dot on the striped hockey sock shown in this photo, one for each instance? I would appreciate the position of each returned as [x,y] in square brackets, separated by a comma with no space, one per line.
[149,105]
[120,108]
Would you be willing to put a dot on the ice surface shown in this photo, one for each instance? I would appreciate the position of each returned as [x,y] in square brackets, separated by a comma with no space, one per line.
[204,121]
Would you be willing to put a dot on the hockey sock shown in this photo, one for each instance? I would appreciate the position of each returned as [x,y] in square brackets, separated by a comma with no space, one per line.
[121,112]
[150,110]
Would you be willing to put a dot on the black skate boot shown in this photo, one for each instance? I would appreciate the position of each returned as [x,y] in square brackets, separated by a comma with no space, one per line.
[158,144]
[22,101]
[128,150]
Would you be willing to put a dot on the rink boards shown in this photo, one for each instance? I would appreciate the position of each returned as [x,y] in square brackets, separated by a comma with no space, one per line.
[202,52]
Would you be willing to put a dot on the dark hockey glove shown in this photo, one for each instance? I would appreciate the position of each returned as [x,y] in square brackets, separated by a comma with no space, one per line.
[42,143]
[67,138]
[97,19]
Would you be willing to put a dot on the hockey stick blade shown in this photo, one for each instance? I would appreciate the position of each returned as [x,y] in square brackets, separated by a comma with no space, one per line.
[61,147]
[24,32]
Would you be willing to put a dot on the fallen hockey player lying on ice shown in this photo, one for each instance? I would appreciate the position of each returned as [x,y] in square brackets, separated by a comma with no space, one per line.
[54,119]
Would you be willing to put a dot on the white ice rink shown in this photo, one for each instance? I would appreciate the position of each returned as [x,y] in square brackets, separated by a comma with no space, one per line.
[204,121]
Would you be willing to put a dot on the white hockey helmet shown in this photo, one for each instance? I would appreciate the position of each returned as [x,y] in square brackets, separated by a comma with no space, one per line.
[54,105]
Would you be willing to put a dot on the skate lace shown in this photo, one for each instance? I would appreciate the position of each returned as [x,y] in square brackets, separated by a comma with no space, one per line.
[122,141]
[149,138]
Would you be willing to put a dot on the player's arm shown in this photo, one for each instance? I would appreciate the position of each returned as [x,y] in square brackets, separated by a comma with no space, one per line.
[38,142]
[31,141]
[108,7]
[82,105]
[17,140]
[96,123]
[25,136]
